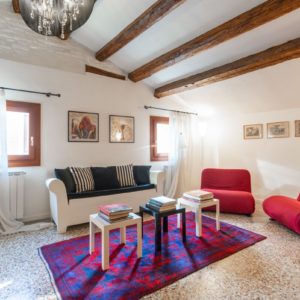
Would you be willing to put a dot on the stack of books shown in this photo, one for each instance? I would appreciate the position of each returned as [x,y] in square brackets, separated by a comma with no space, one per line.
[161,203]
[115,212]
[198,195]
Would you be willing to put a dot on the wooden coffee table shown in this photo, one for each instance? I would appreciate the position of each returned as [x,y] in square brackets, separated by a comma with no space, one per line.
[163,215]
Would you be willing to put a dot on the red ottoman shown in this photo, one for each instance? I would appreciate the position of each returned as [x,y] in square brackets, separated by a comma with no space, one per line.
[285,210]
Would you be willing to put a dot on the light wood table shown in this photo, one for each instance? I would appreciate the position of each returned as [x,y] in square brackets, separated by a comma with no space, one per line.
[196,207]
[97,223]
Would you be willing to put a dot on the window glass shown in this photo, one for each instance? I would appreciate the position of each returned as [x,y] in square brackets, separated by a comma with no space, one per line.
[17,133]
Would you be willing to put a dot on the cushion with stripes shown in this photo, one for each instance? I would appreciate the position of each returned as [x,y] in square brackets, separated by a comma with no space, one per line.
[125,175]
[83,179]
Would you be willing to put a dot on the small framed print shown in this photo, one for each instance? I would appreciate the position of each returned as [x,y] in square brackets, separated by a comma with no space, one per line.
[83,126]
[253,131]
[278,130]
[297,128]
[121,129]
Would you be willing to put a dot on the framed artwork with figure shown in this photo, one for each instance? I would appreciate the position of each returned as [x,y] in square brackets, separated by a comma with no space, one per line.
[121,129]
[253,131]
[297,128]
[278,130]
[83,126]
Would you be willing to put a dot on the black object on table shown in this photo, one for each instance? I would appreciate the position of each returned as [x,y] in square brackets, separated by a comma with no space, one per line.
[163,215]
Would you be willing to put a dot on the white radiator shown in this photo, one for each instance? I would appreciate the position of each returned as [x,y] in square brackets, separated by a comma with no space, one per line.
[16,194]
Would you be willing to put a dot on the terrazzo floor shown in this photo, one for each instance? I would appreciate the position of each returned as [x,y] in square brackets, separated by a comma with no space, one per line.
[267,270]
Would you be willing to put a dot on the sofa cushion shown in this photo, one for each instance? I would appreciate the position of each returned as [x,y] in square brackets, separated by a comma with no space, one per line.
[125,175]
[83,178]
[238,202]
[141,174]
[66,177]
[110,191]
[105,178]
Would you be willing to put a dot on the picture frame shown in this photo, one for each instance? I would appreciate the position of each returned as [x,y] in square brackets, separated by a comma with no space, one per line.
[297,128]
[83,126]
[278,130]
[253,131]
[121,129]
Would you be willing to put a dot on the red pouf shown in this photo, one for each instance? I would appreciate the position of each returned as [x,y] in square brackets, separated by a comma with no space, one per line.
[285,210]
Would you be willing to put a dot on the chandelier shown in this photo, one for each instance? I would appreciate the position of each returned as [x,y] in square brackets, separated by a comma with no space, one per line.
[56,17]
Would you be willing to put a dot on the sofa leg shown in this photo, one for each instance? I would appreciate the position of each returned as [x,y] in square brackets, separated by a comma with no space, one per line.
[61,229]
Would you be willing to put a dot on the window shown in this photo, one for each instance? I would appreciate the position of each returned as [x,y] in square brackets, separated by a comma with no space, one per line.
[159,138]
[23,133]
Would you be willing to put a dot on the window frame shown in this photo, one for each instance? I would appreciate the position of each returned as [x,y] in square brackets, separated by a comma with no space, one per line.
[34,156]
[154,156]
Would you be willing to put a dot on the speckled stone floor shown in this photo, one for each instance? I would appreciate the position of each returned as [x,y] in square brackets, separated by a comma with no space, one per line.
[267,270]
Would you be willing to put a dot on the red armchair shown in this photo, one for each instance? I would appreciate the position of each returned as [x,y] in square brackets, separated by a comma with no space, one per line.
[232,187]
[285,210]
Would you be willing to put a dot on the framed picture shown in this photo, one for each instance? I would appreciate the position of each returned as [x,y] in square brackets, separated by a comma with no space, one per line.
[83,126]
[278,130]
[253,131]
[297,128]
[121,129]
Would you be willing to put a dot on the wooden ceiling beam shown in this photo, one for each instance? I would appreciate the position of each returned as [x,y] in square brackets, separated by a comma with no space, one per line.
[266,58]
[247,21]
[149,17]
[16,6]
[98,71]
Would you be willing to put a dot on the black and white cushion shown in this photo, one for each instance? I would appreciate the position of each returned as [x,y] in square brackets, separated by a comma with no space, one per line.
[125,175]
[83,179]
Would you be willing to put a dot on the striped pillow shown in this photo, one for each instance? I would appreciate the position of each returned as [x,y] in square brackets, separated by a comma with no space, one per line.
[125,175]
[83,179]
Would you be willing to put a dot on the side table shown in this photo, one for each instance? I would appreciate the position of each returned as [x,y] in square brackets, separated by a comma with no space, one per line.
[97,222]
[197,209]
[163,215]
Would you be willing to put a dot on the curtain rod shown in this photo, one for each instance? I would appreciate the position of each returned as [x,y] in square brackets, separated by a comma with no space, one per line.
[32,92]
[178,111]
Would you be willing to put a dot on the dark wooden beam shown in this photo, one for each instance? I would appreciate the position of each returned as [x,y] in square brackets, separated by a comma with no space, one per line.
[249,20]
[149,17]
[266,58]
[16,6]
[94,70]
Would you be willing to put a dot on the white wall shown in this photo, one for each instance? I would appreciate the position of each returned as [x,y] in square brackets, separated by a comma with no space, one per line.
[80,92]
[274,163]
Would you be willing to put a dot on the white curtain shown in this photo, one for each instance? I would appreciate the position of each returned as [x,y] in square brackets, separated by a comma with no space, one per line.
[184,155]
[7,224]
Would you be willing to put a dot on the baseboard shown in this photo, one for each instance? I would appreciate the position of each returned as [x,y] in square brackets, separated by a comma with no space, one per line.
[36,218]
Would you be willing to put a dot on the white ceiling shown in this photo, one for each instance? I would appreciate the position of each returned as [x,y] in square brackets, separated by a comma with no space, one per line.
[255,91]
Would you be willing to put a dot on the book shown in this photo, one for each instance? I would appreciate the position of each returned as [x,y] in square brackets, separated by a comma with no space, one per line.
[108,219]
[160,208]
[198,195]
[115,209]
[162,201]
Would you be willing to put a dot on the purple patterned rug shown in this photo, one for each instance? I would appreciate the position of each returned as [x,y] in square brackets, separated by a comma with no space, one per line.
[77,275]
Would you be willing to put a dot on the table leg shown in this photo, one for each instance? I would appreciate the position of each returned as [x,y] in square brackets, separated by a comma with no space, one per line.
[165,224]
[105,249]
[183,227]
[198,219]
[178,215]
[218,215]
[92,237]
[123,235]
[157,233]
[142,219]
[139,239]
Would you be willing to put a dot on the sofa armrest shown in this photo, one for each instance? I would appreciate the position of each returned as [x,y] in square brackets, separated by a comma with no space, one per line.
[58,202]
[158,178]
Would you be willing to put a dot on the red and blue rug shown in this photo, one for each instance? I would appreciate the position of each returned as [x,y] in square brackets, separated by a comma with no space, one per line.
[77,275]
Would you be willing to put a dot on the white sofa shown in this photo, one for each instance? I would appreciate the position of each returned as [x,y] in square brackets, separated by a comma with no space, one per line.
[66,212]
